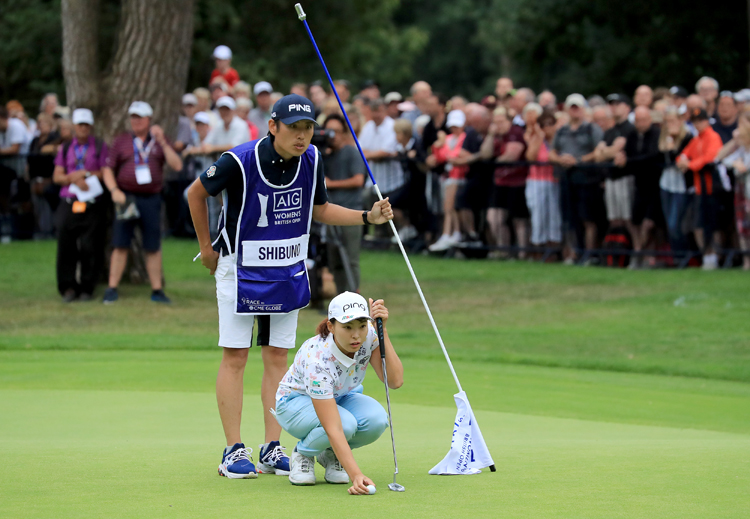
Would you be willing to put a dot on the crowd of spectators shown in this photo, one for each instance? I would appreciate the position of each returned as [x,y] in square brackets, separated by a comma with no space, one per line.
[514,174]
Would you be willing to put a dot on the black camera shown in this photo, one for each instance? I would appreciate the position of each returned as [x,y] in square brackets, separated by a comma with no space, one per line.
[322,138]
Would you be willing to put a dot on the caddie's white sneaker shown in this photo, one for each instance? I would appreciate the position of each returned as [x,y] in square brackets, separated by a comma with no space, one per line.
[335,473]
[302,469]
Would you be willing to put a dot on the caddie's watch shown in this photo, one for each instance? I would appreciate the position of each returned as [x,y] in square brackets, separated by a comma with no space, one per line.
[88,174]
[364,217]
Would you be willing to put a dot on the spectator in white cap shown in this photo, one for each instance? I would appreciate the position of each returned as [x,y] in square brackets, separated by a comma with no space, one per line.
[195,161]
[575,143]
[261,114]
[223,58]
[81,214]
[392,100]
[134,175]
[231,132]
[185,126]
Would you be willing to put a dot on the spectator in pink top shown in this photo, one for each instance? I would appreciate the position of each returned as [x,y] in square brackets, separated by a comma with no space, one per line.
[542,187]
[134,174]
[81,219]
[446,148]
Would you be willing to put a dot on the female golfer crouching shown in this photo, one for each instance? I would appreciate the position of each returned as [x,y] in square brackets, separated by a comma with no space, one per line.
[320,398]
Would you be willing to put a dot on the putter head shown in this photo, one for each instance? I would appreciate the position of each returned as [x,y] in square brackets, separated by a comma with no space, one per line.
[396,487]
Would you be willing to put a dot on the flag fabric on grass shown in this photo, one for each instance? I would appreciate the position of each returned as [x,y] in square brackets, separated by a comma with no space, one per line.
[468,453]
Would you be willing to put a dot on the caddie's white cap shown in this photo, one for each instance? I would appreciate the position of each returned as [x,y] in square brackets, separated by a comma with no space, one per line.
[189,99]
[202,117]
[575,100]
[141,109]
[222,52]
[262,86]
[227,102]
[456,118]
[83,116]
[348,306]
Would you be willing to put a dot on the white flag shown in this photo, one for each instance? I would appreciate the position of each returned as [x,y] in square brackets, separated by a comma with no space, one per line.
[468,453]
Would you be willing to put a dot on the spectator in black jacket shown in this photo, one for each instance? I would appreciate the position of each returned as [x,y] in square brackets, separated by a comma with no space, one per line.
[644,160]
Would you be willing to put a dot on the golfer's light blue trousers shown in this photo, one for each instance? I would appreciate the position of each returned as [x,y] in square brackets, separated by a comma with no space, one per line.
[362,418]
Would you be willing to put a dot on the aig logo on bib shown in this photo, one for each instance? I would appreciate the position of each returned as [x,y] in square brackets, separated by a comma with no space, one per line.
[287,200]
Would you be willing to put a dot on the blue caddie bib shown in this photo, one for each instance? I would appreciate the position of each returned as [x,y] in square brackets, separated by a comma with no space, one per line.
[273,231]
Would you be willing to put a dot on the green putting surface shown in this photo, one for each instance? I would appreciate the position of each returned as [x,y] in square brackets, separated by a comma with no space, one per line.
[129,452]
[600,394]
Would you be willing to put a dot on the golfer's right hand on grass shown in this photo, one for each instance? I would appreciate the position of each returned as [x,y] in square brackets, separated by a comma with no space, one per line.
[381,212]
[210,258]
[359,485]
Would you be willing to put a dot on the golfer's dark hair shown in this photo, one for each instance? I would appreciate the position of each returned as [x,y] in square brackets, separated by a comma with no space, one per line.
[323,328]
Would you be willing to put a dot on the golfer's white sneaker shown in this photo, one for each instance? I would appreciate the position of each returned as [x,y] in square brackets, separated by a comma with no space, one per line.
[302,469]
[335,473]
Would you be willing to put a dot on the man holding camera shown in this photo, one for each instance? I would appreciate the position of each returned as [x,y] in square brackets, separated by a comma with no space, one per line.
[345,176]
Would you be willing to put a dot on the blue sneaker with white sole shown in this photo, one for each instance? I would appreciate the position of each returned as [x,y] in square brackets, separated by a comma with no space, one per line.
[272,459]
[238,463]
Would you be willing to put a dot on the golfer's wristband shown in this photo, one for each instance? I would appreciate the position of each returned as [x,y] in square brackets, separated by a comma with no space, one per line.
[364,217]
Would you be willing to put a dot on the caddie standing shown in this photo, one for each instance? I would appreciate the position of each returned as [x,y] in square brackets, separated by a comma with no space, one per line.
[272,189]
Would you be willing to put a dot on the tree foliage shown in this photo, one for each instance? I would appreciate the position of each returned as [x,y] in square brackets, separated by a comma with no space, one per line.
[600,47]
[358,40]
[460,46]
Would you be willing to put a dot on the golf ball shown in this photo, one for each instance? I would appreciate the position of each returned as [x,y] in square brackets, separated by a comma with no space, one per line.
[371,489]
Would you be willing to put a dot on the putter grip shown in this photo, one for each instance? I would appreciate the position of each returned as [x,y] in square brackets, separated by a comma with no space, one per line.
[381,338]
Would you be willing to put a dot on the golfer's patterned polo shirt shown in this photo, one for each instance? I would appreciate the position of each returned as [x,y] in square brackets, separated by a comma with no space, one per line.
[321,370]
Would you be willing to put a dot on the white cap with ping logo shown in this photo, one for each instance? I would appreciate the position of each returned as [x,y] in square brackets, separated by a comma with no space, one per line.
[348,306]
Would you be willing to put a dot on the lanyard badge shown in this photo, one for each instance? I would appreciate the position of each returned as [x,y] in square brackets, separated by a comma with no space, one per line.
[80,153]
[142,171]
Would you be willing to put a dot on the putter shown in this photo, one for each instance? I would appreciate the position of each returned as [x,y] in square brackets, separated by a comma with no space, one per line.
[392,486]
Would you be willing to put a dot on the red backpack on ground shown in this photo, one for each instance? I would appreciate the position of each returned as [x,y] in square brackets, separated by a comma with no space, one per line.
[618,245]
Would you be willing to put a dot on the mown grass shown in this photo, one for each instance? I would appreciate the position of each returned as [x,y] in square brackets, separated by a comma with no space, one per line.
[689,322]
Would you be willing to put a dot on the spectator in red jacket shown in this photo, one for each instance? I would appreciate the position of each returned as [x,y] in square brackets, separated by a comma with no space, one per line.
[223,57]
[698,157]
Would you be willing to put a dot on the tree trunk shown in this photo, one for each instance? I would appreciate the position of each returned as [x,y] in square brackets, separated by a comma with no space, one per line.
[150,62]
[80,28]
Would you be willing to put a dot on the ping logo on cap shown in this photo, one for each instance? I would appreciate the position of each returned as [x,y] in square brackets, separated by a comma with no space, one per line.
[304,108]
